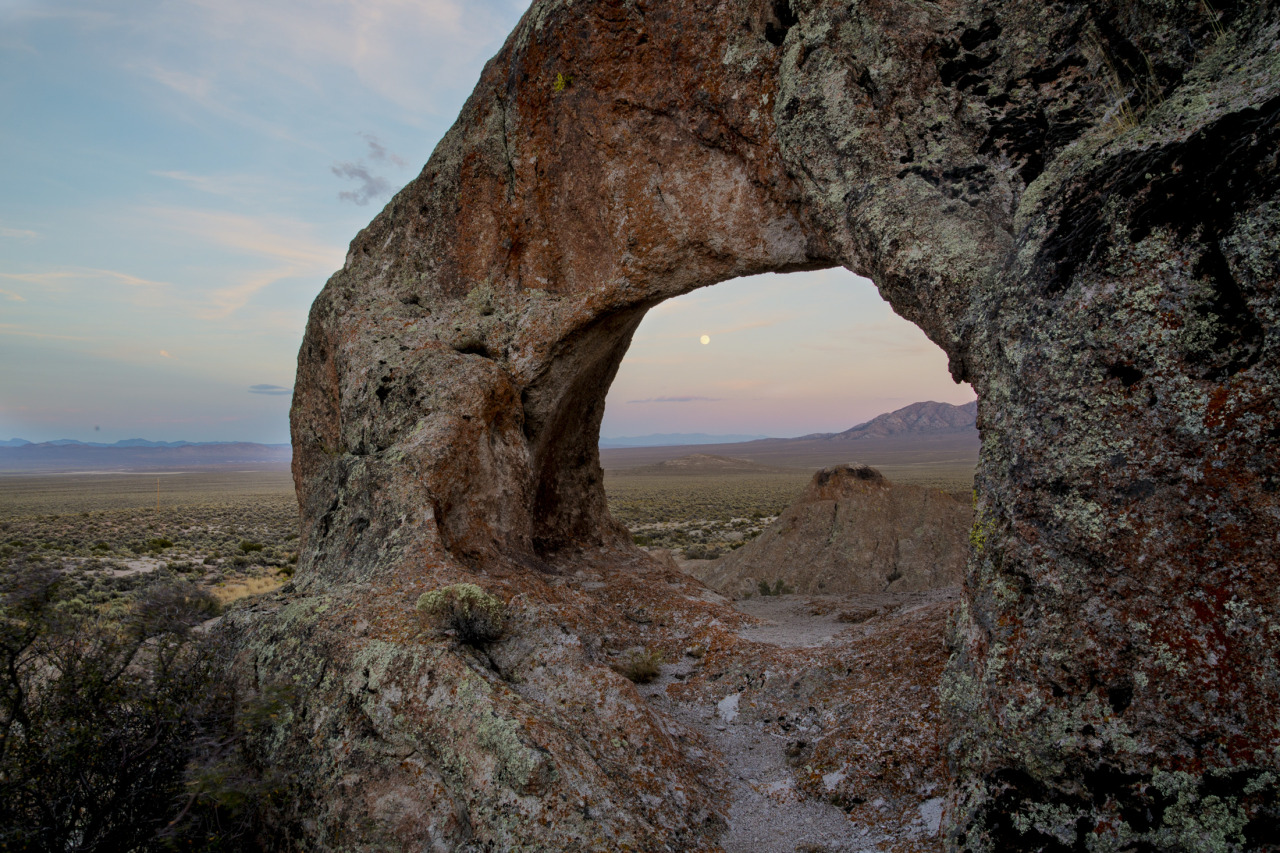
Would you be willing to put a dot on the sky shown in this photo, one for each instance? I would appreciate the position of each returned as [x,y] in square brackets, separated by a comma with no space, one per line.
[182,176]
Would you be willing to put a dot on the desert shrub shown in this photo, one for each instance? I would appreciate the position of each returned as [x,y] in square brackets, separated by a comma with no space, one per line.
[158,543]
[474,615]
[642,666]
[231,801]
[98,714]
[701,552]
[247,547]
[779,587]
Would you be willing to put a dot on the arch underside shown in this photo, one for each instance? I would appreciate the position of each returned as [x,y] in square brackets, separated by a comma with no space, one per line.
[1106,286]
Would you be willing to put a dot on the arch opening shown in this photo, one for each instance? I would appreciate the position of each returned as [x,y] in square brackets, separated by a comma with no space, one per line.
[730,398]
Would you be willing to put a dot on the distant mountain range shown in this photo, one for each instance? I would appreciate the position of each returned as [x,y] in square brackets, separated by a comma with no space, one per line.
[124,442]
[667,439]
[923,421]
[917,419]
[138,454]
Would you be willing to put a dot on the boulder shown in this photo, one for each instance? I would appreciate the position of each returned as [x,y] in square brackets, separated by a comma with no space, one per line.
[1079,202]
[852,531]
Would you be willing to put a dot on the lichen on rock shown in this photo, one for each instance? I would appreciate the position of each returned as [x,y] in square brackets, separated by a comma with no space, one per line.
[1077,202]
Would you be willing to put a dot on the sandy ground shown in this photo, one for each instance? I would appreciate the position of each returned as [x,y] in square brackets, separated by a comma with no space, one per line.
[767,813]
[808,621]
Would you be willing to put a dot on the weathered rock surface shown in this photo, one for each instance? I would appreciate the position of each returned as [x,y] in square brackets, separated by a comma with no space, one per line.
[852,531]
[1078,201]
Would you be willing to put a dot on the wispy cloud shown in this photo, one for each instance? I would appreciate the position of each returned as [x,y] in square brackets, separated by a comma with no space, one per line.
[226,186]
[371,186]
[379,153]
[692,333]
[270,390]
[81,274]
[17,233]
[677,400]
[203,91]
[17,331]
[285,243]
[408,53]
[12,297]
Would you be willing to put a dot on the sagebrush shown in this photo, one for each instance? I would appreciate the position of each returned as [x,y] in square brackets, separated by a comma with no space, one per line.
[473,614]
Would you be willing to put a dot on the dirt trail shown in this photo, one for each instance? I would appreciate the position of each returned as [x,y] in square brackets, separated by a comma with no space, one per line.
[768,811]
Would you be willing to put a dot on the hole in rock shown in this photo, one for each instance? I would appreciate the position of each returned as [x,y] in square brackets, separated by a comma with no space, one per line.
[779,21]
[727,402]
[731,397]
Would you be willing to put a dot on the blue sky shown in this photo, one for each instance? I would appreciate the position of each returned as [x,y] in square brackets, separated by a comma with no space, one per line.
[182,176]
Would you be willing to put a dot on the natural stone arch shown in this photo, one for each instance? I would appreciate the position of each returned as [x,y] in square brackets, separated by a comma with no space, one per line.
[1036,187]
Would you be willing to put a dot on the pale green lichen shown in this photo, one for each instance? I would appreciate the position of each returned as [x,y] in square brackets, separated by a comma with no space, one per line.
[481,299]
[1053,819]
[1207,824]
[517,765]
[977,533]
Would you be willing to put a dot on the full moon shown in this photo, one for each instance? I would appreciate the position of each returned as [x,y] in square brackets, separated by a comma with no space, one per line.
[706,339]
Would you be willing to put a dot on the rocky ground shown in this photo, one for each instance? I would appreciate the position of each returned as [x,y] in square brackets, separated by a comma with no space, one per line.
[826,736]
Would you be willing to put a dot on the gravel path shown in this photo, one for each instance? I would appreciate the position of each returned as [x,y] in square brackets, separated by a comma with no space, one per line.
[767,813]
[799,621]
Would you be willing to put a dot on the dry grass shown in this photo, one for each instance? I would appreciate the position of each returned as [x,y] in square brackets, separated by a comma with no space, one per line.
[35,494]
[232,533]
[227,593]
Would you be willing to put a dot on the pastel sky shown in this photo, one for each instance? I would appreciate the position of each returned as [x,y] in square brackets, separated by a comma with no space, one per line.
[182,176]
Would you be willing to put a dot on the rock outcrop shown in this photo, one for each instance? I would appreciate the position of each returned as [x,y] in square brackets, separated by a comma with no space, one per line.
[1079,202]
[852,531]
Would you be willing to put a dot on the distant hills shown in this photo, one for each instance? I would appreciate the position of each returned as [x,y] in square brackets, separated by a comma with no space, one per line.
[669,439]
[19,455]
[912,441]
[949,431]
[124,442]
[917,419]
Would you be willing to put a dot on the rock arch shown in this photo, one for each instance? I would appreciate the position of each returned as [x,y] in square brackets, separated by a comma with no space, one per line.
[1078,203]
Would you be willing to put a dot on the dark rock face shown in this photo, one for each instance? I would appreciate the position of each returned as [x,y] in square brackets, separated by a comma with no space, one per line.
[1079,202]
[852,531]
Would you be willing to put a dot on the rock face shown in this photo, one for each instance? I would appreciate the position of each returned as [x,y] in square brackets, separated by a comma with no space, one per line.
[1078,201]
[852,531]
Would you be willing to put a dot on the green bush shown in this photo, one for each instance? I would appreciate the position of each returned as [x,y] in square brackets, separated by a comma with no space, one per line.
[100,715]
[642,666]
[701,552]
[247,547]
[474,615]
[779,587]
